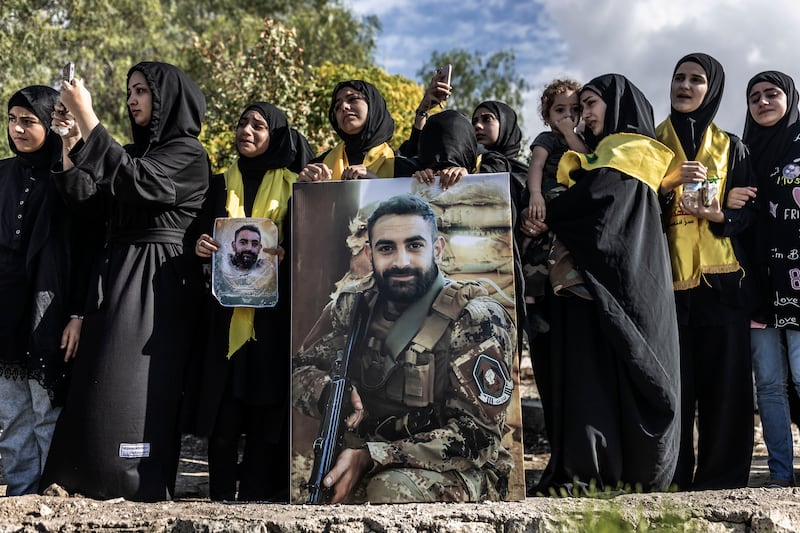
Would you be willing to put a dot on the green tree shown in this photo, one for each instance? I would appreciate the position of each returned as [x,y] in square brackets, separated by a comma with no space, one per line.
[103,37]
[106,37]
[271,71]
[477,77]
[328,31]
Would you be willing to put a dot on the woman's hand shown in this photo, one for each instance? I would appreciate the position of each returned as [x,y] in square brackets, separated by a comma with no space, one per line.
[78,101]
[426,176]
[450,176]
[63,122]
[206,246]
[71,337]
[690,171]
[530,227]
[437,92]
[315,172]
[278,250]
[739,196]
[357,172]
[689,204]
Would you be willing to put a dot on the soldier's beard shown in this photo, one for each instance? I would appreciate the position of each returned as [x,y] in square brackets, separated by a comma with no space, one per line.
[405,291]
[244,260]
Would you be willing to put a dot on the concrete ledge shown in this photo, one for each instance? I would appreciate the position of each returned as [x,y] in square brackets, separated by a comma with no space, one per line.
[735,510]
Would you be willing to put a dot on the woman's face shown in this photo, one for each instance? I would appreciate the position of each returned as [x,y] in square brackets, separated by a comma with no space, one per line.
[486,125]
[593,111]
[252,134]
[140,99]
[351,110]
[689,87]
[26,130]
[766,103]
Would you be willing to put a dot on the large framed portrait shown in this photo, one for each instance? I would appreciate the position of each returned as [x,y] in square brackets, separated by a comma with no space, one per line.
[457,240]
[242,274]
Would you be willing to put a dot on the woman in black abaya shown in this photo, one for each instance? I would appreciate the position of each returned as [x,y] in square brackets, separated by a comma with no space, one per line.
[245,379]
[118,434]
[608,381]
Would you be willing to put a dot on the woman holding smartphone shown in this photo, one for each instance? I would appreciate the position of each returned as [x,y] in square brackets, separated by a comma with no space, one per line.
[118,433]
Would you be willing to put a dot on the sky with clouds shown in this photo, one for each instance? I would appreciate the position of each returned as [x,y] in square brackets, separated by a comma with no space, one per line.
[641,39]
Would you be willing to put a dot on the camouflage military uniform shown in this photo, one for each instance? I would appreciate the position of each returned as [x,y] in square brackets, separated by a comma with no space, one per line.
[435,405]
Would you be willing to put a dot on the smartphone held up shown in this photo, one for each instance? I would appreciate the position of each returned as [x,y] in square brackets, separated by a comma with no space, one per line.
[67,74]
[443,74]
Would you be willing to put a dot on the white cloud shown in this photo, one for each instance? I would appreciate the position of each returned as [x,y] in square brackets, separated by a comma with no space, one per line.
[641,39]
[644,39]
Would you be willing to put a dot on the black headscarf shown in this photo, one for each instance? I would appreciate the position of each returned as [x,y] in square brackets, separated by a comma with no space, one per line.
[509,138]
[627,108]
[287,148]
[767,144]
[378,129]
[40,100]
[448,140]
[690,127]
[179,106]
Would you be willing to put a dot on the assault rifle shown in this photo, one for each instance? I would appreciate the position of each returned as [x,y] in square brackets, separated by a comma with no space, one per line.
[329,441]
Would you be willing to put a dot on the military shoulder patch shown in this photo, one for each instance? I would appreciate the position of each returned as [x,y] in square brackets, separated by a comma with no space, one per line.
[481,376]
[494,385]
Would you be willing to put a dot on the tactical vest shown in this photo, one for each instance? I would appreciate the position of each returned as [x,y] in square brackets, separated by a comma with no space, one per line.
[404,396]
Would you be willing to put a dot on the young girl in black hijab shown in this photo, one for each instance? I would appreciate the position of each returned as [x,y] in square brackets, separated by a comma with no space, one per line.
[118,434]
[707,273]
[40,320]
[359,115]
[244,387]
[448,149]
[607,379]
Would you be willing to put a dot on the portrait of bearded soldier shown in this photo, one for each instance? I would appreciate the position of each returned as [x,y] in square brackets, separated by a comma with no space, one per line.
[431,380]
[246,246]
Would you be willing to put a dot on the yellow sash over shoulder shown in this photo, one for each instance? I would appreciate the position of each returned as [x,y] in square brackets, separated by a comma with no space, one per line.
[271,202]
[379,159]
[693,247]
[636,155]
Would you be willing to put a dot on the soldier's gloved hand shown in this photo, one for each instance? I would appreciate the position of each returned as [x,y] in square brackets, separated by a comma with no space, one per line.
[355,418]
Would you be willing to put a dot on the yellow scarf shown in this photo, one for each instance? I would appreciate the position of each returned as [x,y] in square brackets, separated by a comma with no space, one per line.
[271,202]
[693,247]
[636,155]
[379,159]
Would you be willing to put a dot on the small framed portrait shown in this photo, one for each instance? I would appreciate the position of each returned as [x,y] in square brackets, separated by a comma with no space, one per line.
[243,274]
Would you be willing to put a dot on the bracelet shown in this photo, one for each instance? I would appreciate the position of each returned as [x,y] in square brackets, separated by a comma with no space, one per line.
[421,113]
[79,317]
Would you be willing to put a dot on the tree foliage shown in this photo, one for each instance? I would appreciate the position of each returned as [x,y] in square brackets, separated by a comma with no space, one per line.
[477,78]
[106,37]
[270,71]
[330,33]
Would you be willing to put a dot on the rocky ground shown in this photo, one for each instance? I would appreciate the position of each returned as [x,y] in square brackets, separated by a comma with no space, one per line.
[751,509]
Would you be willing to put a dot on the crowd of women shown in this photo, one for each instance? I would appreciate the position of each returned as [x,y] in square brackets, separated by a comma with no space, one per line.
[659,262]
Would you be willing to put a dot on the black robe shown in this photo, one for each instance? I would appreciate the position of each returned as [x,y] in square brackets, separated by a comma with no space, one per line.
[118,433]
[609,380]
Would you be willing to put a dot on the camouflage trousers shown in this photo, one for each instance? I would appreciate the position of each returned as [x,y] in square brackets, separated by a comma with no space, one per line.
[415,485]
